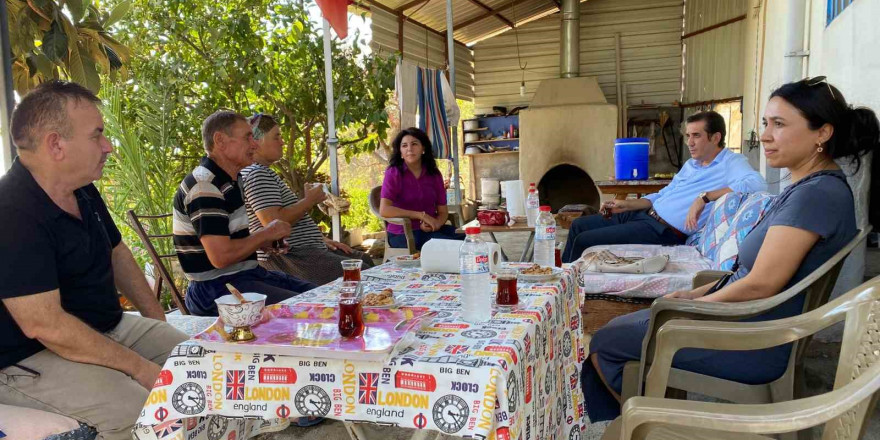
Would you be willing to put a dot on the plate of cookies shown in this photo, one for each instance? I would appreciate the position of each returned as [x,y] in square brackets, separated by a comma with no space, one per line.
[383,299]
[537,273]
[413,260]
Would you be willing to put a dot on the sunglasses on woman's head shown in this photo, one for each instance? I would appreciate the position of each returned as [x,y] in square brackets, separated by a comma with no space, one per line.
[819,80]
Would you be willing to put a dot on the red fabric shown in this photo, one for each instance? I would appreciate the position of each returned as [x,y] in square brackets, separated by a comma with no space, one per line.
[336,12]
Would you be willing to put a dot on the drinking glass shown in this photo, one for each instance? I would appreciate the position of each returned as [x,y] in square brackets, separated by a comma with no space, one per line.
[351,270]
[351,312]
[506,294]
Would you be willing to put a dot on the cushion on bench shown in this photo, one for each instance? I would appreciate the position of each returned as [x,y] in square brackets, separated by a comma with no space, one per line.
[714,247]
[684,262]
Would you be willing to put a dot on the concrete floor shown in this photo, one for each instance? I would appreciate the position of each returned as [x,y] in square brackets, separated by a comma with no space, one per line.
[820,366]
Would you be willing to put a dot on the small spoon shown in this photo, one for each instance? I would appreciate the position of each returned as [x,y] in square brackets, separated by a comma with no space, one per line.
[236,294]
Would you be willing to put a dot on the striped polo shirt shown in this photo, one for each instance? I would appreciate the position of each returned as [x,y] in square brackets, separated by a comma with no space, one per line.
[208,202]
[263,188]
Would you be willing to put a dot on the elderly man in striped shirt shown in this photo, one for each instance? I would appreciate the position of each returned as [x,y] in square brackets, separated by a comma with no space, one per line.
[211,234]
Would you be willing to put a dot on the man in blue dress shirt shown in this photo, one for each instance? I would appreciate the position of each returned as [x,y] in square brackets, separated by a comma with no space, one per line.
[669,216]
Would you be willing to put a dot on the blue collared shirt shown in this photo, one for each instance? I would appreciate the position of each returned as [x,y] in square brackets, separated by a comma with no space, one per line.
[727,170]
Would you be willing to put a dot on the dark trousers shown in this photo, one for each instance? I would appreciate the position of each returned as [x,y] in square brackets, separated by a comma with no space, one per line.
[446,232]
[632,227]
[620,341]
[277,287]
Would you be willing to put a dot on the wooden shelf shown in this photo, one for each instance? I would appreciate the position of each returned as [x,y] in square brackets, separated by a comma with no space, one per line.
[475,130]
[494,152]
[492,140]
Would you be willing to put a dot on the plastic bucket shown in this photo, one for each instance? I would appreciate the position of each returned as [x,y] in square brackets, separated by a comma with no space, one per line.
[631,158]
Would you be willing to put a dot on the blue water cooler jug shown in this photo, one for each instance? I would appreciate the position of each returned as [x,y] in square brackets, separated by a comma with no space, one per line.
[631,158]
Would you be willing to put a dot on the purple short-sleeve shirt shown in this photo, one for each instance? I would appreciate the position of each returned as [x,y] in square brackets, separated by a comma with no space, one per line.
[424,193]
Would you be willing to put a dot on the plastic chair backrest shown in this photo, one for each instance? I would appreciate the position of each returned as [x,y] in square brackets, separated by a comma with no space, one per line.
[859,351]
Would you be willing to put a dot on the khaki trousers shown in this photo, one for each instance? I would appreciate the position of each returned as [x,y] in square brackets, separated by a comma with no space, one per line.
[106,399]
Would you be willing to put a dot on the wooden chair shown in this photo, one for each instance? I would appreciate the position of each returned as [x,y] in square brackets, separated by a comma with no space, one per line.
[164,274]
[375,196]
[817,287]
[844,411]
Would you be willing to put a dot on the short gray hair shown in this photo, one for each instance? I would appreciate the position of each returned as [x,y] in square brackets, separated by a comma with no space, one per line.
[221,120]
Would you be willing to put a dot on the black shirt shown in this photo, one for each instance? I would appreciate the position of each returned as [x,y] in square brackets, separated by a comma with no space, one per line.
[43,248]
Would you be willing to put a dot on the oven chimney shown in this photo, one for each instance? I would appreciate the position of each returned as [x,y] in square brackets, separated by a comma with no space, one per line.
[570,47]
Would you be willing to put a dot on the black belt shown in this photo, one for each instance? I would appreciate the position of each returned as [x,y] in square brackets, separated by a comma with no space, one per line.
[675,231]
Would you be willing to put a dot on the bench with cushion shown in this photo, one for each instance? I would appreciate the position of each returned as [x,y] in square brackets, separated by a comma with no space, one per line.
[714,247]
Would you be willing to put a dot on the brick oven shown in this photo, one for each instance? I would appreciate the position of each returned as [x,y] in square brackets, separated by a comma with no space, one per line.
[567,141]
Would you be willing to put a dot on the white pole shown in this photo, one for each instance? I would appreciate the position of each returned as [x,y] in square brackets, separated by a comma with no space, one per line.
[332,142]
[450,43]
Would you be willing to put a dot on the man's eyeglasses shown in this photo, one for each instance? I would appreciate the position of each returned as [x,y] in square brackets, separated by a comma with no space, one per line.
[819,80]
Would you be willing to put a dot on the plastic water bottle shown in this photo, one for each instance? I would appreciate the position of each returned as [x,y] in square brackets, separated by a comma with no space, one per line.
[545,238]
[476,296]
[532,203]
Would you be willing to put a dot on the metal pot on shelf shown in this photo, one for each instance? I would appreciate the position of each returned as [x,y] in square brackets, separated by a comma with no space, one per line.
[471,137]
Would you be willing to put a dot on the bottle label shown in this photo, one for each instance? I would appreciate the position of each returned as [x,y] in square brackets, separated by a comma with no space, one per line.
[481,265]
[532,203]
[545,233]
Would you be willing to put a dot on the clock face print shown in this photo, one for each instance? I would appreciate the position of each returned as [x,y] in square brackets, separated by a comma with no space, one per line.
[217,427]
[479,334]
[189,399]
[575,433]
[566,344]
[512,393]
[312,401]
[548,380]
[450,413]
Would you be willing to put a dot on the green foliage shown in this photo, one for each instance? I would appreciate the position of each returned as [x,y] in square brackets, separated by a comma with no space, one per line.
[259,55]
[359,214]
[63,39]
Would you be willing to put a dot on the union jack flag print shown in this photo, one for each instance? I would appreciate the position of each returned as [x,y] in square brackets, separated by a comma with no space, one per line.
[165,429]
[234,384]
[368,388]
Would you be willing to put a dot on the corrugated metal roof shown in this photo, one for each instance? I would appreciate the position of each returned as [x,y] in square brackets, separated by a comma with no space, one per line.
[480,24]
[650,47]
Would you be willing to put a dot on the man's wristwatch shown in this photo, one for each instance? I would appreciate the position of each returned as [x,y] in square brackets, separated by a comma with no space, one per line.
[705,196]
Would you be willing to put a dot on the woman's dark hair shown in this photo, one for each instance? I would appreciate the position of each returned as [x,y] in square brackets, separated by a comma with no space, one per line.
[429,164]
[856,130]
[261,124]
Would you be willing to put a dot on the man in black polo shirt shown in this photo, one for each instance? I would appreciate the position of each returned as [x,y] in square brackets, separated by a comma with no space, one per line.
[211,224]
[66,346]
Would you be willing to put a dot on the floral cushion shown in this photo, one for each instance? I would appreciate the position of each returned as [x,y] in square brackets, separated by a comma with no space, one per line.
[750,211]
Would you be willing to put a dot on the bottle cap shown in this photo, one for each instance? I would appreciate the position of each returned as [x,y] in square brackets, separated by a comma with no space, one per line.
[545,208]
[531,190]
[470,230]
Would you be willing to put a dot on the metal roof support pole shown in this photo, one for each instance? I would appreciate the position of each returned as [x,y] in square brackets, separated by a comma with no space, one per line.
[332,142]
[450,49]
[7,96]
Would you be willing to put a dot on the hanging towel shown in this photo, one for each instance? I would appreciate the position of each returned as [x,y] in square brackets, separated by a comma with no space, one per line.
[453,113]
[407,93]
[432,111]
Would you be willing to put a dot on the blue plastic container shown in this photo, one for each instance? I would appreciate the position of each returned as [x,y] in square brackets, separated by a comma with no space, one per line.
[631,158]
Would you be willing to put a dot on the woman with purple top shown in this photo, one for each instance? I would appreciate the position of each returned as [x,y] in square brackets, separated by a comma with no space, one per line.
[413,188]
